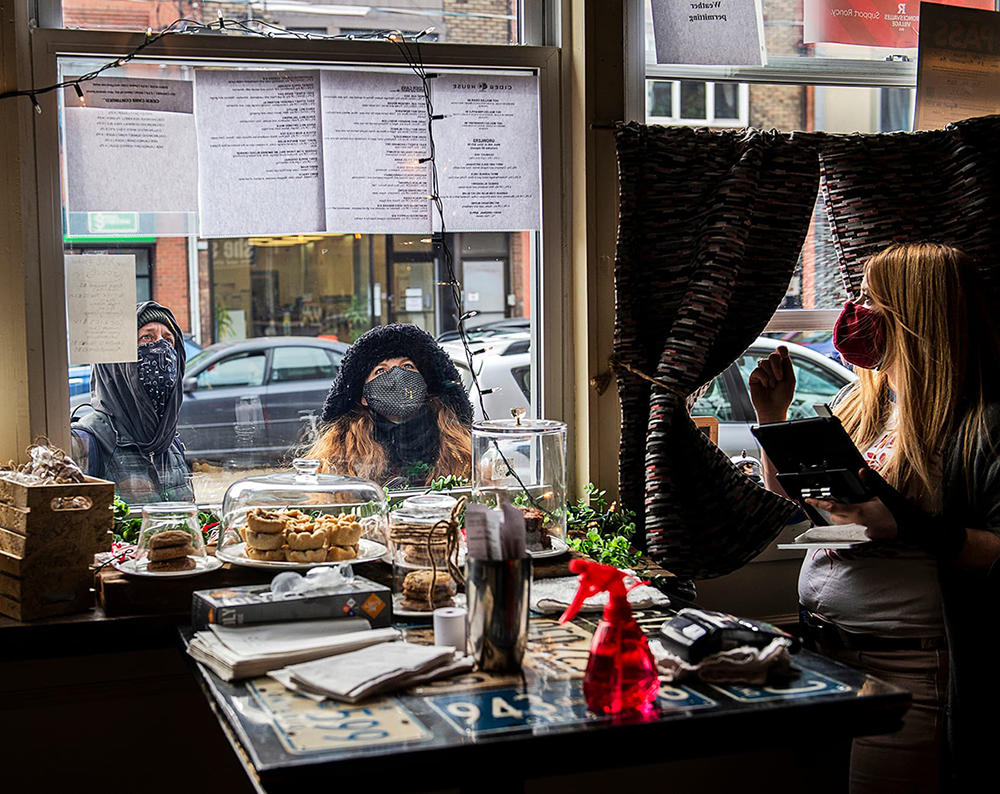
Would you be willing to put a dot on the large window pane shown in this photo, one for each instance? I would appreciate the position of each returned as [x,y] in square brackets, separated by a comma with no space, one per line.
[273,316]
[482,22]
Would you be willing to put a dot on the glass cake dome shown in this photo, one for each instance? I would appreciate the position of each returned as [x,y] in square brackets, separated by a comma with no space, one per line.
[301,519]
[522,462]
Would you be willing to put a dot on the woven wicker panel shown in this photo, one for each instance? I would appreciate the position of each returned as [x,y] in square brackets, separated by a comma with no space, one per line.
[939,185]
[710,228]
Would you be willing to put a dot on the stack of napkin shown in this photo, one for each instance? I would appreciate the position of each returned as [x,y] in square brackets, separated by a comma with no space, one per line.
[234,652]
[354,676]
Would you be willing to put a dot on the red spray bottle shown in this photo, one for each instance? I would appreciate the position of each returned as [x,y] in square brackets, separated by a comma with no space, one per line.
[621,672]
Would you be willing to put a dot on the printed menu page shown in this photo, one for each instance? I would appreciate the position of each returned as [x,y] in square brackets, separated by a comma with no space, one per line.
[100,305]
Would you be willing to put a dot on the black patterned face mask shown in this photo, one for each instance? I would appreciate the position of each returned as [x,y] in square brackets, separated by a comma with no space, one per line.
[158,371]
[397,394]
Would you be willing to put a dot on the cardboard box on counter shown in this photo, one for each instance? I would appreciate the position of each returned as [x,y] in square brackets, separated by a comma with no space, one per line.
[235,606]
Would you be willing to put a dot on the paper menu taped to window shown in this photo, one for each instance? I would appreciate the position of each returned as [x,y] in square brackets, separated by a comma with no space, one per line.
[100,306]
[719,32]
[958,69]
[374,137]
[259,152]
[130,146]
[488,152]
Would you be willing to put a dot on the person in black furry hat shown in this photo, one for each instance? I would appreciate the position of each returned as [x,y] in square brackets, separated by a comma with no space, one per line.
[397,409]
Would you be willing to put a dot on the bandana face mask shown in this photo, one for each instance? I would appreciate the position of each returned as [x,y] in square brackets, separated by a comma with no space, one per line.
[158,371]
[396,394]
[859,335]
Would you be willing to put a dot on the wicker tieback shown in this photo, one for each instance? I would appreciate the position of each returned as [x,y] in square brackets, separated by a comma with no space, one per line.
[444,534]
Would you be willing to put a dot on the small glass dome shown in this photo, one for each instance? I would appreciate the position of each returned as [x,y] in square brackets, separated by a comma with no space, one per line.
[300,519]
[170,539]
[522,462]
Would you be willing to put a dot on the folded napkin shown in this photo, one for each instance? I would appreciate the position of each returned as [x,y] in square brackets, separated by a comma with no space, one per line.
[234,652]
[738,665]
[353,676]
[554,595]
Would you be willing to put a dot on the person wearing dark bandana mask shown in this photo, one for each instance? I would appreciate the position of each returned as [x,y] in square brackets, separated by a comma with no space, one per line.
[397,411]
[913,606]
[131,436]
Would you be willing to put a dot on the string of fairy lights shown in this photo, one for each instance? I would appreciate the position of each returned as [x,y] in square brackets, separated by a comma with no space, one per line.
[408,46]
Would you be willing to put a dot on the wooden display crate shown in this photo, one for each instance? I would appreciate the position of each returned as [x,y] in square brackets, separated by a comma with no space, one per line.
[48,537]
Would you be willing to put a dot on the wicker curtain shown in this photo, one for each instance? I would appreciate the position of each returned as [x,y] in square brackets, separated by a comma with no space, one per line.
[710,228]
[711,224]
[939,185]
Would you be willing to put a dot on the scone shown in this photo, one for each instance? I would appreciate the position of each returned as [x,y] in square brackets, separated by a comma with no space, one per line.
[266,522]
[306,539]
[418,584]
[341,553]
[266,555]
[309,555]
[177,564]
[264,540]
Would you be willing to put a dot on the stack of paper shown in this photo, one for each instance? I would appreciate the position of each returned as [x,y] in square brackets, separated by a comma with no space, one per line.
[233,652]
[351,677]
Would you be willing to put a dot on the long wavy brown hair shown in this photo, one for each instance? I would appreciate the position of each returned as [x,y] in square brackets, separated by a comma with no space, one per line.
[348,446]
[943,354]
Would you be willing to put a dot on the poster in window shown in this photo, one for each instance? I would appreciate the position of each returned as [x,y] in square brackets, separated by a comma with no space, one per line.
[868,23]
[487,152]
[259,152]
[130,146]
[100,308]
[958,71]
[719,32]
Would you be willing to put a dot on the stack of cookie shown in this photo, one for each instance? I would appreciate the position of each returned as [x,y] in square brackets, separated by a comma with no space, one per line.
[265,535]
[169,550]
[425,591]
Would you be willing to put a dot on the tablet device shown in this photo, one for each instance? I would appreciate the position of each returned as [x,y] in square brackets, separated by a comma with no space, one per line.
[815,459]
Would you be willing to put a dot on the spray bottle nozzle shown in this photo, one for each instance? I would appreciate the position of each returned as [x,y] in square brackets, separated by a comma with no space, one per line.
[596,578]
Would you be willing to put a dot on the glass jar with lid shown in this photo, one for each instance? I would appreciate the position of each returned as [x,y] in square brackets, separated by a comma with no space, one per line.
[303,518]
[522,462]
[170,541]
[427,550]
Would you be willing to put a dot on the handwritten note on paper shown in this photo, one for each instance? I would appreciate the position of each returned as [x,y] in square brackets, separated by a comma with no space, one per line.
[719,32]
[100,302]
[958,70]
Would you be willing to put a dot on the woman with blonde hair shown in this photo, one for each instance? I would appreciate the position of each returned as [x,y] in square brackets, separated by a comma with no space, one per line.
[909,605]
[397,411]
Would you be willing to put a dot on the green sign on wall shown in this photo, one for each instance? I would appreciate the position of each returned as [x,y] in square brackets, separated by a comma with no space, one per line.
[112,222]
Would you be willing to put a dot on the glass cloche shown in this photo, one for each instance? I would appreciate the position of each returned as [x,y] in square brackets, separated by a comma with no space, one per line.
[522,462]
[300,519]
[170,541]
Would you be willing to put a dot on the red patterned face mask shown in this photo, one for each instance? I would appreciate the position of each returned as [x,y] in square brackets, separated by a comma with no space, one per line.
[859,335]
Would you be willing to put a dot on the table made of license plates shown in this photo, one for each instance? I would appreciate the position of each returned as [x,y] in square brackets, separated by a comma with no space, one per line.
[461,718]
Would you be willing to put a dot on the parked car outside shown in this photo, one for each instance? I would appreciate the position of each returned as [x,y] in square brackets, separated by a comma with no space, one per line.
[505,326]
[254,402]
[506,363]
[503,369]
[820,341]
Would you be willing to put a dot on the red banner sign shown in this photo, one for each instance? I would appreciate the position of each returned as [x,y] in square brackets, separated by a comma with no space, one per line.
[869,23]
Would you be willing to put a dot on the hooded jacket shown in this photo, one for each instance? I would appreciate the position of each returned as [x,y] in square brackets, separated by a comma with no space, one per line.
[133,445]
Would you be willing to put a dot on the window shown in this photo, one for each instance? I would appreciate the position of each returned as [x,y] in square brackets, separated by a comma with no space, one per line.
[715,402]
[489,22]
[244,369]
[697,103]
[302,363]
[230,291]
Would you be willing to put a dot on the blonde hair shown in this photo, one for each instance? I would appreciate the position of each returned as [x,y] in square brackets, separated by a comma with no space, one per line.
[348,446]
[942,352]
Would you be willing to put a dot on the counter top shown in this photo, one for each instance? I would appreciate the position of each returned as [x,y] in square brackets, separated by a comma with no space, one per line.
[441,732]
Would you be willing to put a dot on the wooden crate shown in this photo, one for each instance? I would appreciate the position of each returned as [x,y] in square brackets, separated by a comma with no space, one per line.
[47,546]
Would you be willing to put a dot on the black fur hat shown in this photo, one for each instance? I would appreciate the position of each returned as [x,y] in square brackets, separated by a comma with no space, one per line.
[395,341]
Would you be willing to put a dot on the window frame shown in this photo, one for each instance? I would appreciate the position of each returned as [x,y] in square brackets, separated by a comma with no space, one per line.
[552,301]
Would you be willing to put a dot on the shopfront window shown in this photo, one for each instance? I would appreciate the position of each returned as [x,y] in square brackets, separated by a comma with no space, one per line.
[484,22]
[274,314]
